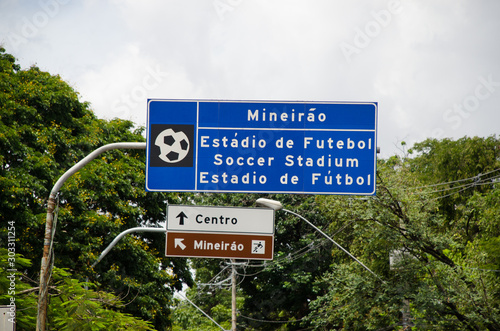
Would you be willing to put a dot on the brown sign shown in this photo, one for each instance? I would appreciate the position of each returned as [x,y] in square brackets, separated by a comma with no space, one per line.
[220,245]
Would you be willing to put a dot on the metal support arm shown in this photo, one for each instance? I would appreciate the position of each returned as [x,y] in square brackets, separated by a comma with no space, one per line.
[45,269]
[120,236]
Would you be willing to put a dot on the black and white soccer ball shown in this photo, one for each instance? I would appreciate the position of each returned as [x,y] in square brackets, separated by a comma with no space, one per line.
[174,146]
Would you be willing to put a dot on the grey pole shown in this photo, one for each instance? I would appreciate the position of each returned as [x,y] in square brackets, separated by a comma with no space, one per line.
[233,296]
[333,241]
[276,205]
[139,229]
[120,236]
[46,268]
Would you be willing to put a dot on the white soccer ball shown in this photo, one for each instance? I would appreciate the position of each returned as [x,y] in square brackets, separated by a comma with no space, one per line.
[174,146]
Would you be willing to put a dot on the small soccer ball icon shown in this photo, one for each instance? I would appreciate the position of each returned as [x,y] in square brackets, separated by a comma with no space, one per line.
[174,146]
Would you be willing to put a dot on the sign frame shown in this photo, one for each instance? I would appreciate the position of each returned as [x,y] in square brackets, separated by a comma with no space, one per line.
[220,219]
[181,248]
[347,167]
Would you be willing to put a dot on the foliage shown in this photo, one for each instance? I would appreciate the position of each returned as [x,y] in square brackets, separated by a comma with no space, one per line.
[73,307]
[277,291]
[16,288]
[76,308]
[430,235]
[187,317]
[444,275]
[45,130]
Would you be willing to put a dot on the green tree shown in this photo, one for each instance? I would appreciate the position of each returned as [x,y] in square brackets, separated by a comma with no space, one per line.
[275,294]
[44,130]
[73,307]
[187,317]
[463,167]
[442,277]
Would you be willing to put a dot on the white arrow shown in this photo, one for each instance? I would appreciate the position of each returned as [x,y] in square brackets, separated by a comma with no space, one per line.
[178,242]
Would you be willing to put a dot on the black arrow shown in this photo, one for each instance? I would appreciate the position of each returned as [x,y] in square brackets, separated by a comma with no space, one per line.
[181,216]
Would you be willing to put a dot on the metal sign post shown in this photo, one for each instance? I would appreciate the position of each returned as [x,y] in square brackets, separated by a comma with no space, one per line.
[47,258]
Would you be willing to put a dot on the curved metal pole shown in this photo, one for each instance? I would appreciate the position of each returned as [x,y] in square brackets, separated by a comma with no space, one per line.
[90,157]
[333,241]
[139,229]
[120,236]
[276,205]
[45,268]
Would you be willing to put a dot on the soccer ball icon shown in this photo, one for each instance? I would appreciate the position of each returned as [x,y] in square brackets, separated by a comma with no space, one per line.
[174,146]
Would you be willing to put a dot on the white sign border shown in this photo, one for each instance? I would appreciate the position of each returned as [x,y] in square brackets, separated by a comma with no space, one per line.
[238,209]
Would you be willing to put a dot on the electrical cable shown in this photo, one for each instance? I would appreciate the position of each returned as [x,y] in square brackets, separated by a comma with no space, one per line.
[489,270]
[215,276]
[447,195]
[477,180]
[447,189]
[471,185]
[292,257]
[268,321]
[452,182]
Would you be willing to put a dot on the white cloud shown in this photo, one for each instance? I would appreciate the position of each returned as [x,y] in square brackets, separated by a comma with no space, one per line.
[417,63]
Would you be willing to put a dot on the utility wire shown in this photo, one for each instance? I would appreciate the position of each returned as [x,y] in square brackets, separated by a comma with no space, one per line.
[477,180]
[455,181]
[191,302]
[464,187]
[452,193]
[291,257]
[268,321]
[474,178]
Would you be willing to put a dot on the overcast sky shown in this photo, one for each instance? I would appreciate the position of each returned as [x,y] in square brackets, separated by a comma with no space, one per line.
[433,66]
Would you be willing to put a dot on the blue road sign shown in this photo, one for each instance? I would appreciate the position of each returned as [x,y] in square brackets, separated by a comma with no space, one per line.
[261,147]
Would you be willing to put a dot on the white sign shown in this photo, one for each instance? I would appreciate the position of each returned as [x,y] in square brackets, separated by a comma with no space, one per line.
[220,219]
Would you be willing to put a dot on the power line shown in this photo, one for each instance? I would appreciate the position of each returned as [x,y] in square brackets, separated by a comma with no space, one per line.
[455,181]
[452,193]
[289,258]
[464,187]
[480,269]
[477,180]
[201,310]
[269,321]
